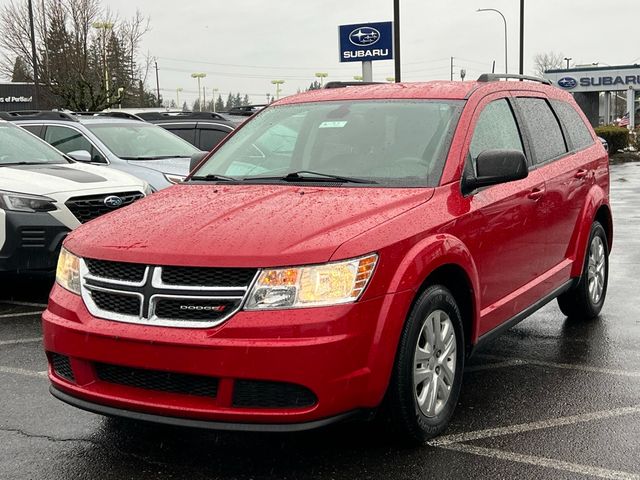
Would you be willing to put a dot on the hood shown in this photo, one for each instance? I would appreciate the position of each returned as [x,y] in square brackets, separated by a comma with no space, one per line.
[55,178]
[173,166]
[241,225]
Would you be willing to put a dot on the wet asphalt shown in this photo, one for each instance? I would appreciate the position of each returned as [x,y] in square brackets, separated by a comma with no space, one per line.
[552,398]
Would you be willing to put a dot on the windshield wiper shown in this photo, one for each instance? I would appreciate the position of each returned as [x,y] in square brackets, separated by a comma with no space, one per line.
[301,175]
[212,177]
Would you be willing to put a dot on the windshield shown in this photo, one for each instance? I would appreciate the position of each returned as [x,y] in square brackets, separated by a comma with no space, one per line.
[141,141]
[20,147]
[393,143]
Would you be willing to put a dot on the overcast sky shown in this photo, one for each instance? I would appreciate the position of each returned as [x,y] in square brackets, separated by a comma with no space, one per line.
[243,44]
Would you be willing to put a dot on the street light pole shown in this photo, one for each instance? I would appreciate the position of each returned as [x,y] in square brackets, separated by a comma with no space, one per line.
[567,59]
[213,93]
[521,68]
[198,76]
[36,88]
[506,50]
[321,76]
[396,39]
[178,90]
[104,26]
[277,83]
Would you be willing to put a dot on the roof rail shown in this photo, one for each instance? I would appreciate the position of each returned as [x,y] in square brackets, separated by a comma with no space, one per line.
[39,115]
[180,115]
[492,77]
[349,84]
[116,114]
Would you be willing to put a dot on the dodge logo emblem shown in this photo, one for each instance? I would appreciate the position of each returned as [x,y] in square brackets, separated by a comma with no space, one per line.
[364,36]
[205,308]
[113,201]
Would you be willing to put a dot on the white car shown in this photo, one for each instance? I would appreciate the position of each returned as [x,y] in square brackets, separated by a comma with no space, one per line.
[44,195]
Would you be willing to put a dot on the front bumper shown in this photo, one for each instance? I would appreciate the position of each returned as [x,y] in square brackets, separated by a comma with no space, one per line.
[32,242]
[342,355]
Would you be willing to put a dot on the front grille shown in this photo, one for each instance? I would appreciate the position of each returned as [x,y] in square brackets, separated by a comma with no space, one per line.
[125,272]
[190,309]
[113,302]
[62,366]
[260,394]
[188,297]
[33,238]
[92,206]
[214,277]
[171,382]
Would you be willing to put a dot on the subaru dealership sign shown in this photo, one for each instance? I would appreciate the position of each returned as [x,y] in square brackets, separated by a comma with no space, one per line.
[364,42]
[596,79]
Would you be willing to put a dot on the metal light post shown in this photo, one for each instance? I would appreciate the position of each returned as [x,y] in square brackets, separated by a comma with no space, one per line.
[213,93]
[321,76]
[36,89]
[567,59]
[396,39]
[178,90]
[506,50]
[104,27]
[277,83]
[199,76]
[521,67]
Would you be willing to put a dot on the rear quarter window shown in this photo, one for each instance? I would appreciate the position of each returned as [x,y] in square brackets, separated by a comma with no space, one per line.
[579,134]
[547,141]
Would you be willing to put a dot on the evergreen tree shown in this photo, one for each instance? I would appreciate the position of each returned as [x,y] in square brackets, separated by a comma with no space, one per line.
[185,107]
[245,100]
[237,101]
[229,105]
[219,104]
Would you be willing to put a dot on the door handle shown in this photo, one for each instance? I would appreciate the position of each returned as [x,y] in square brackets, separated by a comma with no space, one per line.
[536,194]
[582,173]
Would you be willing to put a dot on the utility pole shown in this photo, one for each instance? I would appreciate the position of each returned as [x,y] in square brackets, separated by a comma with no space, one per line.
[521,68]
[157,83]
[44,40]
[452,69]
[36,89]
[396,39]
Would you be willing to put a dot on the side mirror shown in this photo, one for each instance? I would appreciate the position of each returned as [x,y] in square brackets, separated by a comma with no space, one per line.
[196,158]
[497,166]
[604,144]
[80,156]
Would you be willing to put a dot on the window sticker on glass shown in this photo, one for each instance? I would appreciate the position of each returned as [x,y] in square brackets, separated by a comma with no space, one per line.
[333,124]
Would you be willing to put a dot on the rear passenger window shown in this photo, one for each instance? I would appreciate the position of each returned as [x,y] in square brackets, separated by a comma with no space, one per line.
[209,138]
[188,133]
[496,129]
[547,141]
[579,135]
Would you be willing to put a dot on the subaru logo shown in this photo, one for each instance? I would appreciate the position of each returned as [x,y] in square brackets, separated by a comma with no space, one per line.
[113,201]
[364,36]
[568,83]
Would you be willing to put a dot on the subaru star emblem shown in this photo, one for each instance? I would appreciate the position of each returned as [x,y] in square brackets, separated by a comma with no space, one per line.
[112,201]
[364,36]
[568,83]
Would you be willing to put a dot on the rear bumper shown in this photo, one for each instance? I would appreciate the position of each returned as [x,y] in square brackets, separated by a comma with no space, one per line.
[342,354]
[32,242]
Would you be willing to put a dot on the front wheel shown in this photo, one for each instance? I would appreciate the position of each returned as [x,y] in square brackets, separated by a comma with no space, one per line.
[587,298]
[427,374]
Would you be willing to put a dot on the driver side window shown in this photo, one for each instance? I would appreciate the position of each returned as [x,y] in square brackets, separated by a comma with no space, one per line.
[496,129]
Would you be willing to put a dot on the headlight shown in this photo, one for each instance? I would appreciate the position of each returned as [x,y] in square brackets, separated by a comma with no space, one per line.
[312,286]
[22,202]
[174,178]
[68,271]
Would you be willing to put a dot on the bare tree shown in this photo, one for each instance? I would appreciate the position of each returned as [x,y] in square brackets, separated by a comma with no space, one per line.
[547,61]
[87,56]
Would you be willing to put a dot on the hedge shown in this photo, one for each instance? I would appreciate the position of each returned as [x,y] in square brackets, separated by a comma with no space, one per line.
[616,137]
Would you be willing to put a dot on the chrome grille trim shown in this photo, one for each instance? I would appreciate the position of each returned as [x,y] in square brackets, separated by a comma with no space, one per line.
[153,289]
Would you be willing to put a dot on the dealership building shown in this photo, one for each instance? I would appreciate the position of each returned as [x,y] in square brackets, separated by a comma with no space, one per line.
[604,93]
[16,96]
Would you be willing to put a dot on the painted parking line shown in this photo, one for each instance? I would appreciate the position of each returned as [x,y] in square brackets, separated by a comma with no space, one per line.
[23,304]
[565,366]
[20,341]
[529,427]
[22,371]
[490,366]
[21,314]
[543,462]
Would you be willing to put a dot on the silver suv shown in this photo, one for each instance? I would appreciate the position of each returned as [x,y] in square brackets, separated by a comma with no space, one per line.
[141,149]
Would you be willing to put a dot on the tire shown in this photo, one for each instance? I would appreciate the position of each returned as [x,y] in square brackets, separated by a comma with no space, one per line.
[415,414]
[587,298]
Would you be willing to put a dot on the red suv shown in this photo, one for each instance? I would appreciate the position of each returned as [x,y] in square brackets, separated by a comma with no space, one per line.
[343,248]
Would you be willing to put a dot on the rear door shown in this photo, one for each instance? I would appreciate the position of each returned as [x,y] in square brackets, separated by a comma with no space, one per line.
[186,130]
[566,173]
[210,135]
